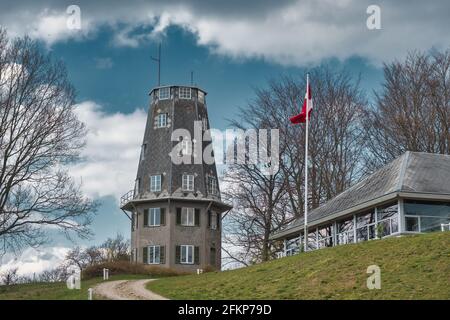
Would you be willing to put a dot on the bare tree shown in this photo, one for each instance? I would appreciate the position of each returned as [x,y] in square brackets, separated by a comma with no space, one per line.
[266,204]
[84,257]
[260,208]
[57,274]
[336,134]
[9,277]
[78,257]
[39,135]
[114,249]
[412,110]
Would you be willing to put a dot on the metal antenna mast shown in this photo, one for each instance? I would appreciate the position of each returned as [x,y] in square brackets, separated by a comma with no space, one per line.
[159,64]
[192,78]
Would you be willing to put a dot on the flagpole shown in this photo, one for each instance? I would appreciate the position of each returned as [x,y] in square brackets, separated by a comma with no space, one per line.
[305,231]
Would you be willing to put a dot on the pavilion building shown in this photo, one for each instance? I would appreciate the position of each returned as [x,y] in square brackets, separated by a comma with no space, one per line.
[409,195]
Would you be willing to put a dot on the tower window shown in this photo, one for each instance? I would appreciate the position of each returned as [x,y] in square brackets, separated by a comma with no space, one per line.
[155,183]
[188,182]
[143,150]
[134,221]
[137,186]
[164,93]
[201,96]
[205,124]
[186,147]
[154,254]
[154,217]
[161,120]
[213,221]
[185,93]
[188,217]
[212,185]
[187,254]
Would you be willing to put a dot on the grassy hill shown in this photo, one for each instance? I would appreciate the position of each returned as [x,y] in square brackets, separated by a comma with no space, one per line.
[413,267]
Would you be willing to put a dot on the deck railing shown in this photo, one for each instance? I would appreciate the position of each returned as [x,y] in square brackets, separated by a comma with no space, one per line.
[126,197]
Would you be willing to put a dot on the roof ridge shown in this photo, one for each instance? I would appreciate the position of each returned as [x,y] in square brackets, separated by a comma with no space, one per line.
[429,153]
[403,167]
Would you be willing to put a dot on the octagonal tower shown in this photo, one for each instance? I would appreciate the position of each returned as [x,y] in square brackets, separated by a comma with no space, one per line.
[175,209]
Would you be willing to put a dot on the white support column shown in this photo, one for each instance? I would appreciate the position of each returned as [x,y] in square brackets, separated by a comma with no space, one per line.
[376,223]
[317,238]
[284,246]
[334,233]
[401,216]
[354,229]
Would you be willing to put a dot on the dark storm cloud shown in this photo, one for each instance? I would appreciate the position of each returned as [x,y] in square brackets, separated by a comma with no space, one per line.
[287,31]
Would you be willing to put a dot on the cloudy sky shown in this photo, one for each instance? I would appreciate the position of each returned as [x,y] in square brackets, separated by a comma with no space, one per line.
[232,47]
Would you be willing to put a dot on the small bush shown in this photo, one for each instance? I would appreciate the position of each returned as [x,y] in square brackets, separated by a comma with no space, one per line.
[125,267]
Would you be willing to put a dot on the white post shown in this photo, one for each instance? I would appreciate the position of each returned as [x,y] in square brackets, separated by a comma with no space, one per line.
[105,274]
[306,164]
[90,294]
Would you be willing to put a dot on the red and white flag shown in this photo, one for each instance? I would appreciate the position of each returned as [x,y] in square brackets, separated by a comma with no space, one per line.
[306,109]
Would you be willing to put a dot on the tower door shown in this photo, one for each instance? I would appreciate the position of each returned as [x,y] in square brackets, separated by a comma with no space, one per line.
[212,256]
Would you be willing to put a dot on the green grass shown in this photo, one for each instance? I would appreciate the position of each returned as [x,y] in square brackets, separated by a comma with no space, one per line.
[412,267]
[55,291]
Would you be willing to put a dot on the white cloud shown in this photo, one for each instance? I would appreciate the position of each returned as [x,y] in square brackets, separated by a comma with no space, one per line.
[111,155]
[34,260]
[287,32]
[45,24]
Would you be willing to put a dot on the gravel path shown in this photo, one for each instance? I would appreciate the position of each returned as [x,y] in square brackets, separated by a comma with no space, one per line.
[126,290]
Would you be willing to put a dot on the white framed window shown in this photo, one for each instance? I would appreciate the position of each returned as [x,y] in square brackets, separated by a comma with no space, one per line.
[137,185]
[135,220]
[143,150]
[187,254]
[188,182]
[154,217]
[185,93]
[164,93]
[188,217]
[205,123]
[155,183]
[186,147]
[212,185]
[201,96]
[154,254]
[214,221]
[161,120]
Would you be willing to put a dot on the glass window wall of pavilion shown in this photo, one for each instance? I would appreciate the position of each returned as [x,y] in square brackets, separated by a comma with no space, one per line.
[370,224]
[425,216]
